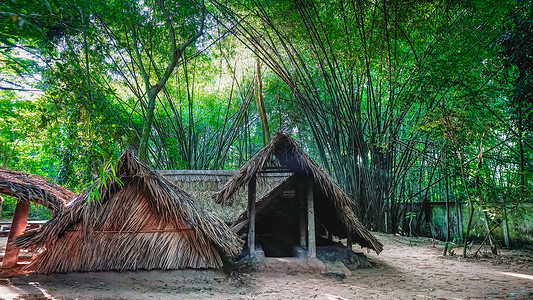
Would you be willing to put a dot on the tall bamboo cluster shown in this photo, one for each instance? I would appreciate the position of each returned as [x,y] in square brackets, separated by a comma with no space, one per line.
[367,80]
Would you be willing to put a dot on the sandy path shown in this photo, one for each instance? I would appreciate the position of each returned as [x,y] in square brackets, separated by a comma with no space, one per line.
[420,271]
[402,271]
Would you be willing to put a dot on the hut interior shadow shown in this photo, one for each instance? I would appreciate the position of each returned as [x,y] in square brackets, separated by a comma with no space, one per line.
[279,220]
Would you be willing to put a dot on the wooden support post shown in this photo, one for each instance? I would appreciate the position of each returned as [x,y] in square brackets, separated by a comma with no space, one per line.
[303,219]
[311,243]
[20,220]
[251,215]
[349,242]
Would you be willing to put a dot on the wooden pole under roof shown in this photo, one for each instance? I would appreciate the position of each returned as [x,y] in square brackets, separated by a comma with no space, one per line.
[311,242]
[251,215]
[302,215]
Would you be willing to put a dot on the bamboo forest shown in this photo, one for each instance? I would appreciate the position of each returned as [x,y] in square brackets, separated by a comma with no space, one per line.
[414,118]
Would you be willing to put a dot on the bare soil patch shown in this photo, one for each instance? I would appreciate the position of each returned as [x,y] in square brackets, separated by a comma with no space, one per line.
[406,269]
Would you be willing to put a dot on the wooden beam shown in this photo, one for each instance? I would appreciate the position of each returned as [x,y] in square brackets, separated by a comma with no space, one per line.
[251,215]
[18,226]
[275,171]
[311,242]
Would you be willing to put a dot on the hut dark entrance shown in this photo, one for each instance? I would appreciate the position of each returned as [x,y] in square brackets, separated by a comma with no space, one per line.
[299,213]
[28,188]
[286,223]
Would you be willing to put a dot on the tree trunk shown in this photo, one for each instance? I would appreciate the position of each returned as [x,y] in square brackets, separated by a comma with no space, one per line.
[505,226]
[468,227]
[153,90]
[447,211]
[147,127]
[258,89]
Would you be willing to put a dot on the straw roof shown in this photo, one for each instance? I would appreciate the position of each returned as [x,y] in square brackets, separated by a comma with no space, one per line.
[284,151]
[142,222]
[29,187]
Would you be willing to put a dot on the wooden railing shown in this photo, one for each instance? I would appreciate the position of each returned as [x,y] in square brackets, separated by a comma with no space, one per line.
[6,226]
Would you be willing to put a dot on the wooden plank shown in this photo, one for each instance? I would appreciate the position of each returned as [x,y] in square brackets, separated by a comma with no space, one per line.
[275,171]
[18,226]
[227,173]
[39,222]
[5,227]
[221,175]
[251,215]
[311,242]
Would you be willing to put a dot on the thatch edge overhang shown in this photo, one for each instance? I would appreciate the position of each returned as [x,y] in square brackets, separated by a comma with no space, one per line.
[34,188]
[172,204]
[280,145]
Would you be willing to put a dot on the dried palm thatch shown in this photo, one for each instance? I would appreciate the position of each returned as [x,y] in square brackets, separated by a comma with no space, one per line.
[29,187]
[284,151]
[142,222]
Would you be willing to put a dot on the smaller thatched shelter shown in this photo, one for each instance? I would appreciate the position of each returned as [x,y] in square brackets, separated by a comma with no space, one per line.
[296,212]
[28,188]
[141,221]
[34,188]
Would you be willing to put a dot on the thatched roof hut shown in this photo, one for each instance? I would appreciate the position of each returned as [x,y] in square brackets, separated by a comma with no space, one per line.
[142,221]
[332,207]
[33,188]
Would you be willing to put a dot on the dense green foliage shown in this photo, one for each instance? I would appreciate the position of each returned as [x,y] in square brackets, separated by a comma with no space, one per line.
[402,101]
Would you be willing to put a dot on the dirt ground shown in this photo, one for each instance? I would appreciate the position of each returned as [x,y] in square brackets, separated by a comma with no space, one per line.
[406,269]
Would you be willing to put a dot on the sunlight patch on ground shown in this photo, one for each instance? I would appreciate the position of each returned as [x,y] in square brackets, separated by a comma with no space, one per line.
[332,297]
[525,276]
[9,292]
[38,286]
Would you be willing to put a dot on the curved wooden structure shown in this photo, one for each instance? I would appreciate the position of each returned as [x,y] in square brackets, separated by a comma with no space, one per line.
[28,188]
[34,188]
